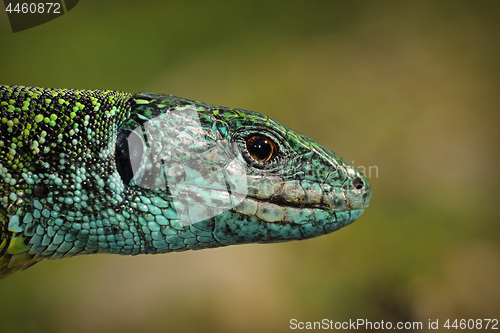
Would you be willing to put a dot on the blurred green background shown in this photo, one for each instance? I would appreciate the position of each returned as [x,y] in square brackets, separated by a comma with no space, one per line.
[409,88]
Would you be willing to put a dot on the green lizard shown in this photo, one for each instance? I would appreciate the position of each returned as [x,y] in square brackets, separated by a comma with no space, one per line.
[92,171]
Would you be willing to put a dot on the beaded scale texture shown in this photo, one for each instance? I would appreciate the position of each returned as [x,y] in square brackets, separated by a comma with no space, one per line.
[93,171]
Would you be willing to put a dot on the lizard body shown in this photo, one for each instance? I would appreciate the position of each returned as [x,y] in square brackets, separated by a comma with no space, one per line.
[92,171]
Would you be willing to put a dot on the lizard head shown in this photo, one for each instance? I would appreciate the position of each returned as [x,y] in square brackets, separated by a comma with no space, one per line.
[237,174]
[93,171]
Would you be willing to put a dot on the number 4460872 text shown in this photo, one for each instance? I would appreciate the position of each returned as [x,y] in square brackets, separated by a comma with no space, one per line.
[34,8]
[472,324]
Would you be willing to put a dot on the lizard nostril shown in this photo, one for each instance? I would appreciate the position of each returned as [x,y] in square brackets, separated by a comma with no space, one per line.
[358,183]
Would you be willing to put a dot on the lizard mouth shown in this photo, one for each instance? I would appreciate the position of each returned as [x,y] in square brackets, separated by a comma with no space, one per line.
[300,204]
[306,194]
[278,210]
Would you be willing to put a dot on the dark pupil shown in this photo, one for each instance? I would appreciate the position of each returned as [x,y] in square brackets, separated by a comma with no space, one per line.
[260,148]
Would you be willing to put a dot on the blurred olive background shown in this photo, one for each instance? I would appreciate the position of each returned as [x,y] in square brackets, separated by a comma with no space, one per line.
[407,90]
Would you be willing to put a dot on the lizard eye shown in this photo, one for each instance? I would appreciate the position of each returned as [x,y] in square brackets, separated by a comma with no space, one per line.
[261,148]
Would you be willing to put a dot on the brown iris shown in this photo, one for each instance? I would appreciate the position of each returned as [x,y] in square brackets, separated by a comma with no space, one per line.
[261,148]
